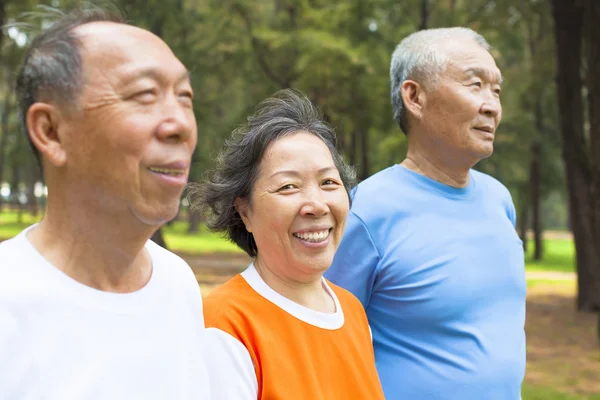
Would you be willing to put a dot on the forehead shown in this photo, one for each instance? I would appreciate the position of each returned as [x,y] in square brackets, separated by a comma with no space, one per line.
[467,57]
[124,50]
[300,148]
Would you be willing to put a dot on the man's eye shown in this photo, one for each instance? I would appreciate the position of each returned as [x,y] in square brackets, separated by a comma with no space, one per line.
[146,95]
[187,94]
[477,83]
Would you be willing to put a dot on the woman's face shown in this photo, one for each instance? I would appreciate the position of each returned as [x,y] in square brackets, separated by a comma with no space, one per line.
[298,208]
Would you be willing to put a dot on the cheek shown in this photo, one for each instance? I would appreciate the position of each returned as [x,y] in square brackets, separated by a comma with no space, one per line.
[271,219]
[340,206]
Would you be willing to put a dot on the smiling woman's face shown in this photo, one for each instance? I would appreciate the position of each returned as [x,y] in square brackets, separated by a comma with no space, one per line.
[298,207]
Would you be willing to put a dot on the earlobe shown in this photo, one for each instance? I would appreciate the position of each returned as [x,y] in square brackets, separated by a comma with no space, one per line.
[242,207]
[43,128]
[412,97]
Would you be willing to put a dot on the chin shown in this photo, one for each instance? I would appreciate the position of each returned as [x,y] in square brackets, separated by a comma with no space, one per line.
[157,216]
[483,151]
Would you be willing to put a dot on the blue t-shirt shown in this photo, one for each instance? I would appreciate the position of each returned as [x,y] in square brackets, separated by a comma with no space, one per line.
[440,272]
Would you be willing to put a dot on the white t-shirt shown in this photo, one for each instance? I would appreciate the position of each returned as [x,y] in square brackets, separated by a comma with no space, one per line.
[62,340]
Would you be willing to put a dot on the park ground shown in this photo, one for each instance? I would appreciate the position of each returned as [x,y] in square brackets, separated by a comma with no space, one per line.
[563,354]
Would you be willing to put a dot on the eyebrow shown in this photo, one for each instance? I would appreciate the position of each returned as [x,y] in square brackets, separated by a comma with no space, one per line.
[475,71]
[153,73]
[296,173]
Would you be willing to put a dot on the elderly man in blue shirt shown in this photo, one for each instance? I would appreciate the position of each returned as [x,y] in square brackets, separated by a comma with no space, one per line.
[430,247]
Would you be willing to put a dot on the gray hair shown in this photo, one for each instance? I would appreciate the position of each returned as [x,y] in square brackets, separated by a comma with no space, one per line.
[285,113]
[51,70]
[419,57]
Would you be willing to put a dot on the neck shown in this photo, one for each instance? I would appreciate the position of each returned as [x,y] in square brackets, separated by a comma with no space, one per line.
[308,293]
[97,250]
[436,166]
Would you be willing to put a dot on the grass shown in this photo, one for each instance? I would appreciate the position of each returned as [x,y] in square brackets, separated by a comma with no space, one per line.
[531,392]
[555,282]
[559,255]
[204,241]
[175,235]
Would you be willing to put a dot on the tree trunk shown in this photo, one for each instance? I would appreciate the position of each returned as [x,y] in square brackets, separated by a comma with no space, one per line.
[6,112]
[193,222]
[568,20]
[354,147]
[592,53]
[523,217]
[424,15]
[535,181]
[364,165]
[2,21]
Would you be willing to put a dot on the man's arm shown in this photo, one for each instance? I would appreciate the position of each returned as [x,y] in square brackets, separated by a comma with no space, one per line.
[230,367]
[355,263]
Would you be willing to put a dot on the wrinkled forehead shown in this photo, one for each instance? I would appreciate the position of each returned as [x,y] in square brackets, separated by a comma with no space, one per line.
[124,48]
[466,56]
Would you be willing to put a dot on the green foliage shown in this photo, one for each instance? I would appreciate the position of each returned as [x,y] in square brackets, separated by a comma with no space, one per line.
[241,51]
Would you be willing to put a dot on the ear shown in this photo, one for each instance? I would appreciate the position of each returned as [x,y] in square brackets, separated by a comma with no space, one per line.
[243,208]
[43,121]
[413,97]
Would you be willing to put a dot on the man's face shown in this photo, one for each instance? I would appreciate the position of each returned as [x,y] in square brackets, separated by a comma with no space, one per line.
[129,147]
[463,110]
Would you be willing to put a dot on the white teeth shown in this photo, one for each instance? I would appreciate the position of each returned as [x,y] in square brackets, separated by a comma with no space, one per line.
[313,236]
[166,171]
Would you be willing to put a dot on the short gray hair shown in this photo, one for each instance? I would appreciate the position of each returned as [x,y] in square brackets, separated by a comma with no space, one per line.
[51,70]
[285,113]
[419,57]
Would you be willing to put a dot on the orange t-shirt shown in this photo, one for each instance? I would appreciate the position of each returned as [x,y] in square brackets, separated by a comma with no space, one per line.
[264,346]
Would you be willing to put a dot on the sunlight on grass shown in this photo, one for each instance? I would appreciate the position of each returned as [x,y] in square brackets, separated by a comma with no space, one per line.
[531,392]
[175,234]
[204,241]
[559,255]
[11,223]
[555,282]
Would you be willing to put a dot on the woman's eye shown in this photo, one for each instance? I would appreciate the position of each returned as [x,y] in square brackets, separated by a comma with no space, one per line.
[330,182]
[287,187]
[478,84]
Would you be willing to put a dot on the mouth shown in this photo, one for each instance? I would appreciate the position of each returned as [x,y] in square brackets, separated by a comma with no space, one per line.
[485,129]
[314,236]
[168,171]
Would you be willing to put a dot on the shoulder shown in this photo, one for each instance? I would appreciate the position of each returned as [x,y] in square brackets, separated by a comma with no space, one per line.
[489,185]
[383,180]
[17,257]
[345,297]
[228,303]
[382,188]
[165,259]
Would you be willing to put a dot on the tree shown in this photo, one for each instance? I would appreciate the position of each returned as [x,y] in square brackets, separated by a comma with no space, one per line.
[581,149]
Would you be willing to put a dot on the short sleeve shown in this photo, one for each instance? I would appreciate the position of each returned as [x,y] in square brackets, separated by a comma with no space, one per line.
[355,262]
[230,367]
[510,209]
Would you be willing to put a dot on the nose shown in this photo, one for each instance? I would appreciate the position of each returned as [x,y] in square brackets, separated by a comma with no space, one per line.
[315,204]
[491,106]
[178,122]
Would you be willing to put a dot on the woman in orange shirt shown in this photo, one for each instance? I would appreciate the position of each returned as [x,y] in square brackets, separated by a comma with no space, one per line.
[279,330]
